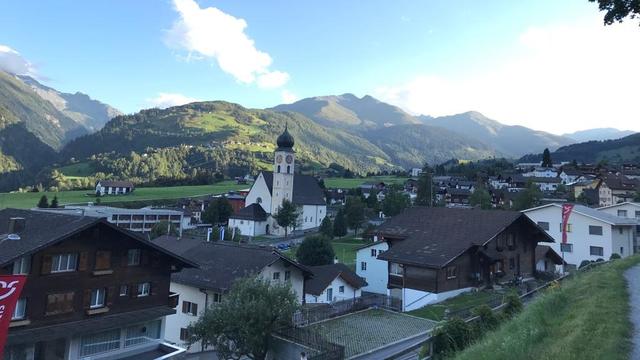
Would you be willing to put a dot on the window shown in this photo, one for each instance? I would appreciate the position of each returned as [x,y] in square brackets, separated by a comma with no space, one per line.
[395,269]
[511,241]
[59,303]
[288,169]
[569,227]
[637,214]
[184,334]
[20,311]
[512,263]
[373,253]
[566,247]
[144,289]
[103,260]
[622,213]
[595,230]
[97,298]
[278,169]
[621,250]
[276,276]
[596,250]
[287,275]
[216,298]
[124,290]
[142,333]
[258,200]
[99,343]
[22,266]
[189,308]
[620,230]
[64,263]
[330,294]
[133,257]
[452,272]
[544,225]
[363,266]
[341,289]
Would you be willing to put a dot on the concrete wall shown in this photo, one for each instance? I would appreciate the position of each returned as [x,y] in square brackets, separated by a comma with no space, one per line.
[415,299]
[376,275]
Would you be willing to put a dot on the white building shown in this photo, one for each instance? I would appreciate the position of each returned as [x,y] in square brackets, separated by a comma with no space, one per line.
[569,176]
[112,187]
[251,221]
[373,270]
[331,283]
[630,210]
[221,264]
[542,172]
[271,188]
[415,172]
[591,234]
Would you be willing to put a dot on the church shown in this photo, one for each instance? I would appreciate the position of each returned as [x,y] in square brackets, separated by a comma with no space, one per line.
[270,189]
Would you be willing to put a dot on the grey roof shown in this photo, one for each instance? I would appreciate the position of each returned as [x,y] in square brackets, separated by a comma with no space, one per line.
[432,237]
[593,213]
[115,183]
[306,190]
[221,263]
[253,212]
[323,275]
[43,229]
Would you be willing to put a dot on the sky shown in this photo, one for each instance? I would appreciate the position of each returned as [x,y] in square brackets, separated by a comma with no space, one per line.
[546,64]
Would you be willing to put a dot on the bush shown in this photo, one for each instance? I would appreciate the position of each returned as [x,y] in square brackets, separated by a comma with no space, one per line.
[513,305]
[453,336]
[584,263]
[488,320]
[615,256]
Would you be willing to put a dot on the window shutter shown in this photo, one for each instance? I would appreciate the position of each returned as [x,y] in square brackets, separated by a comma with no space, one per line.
[83,261]
[46,264]
[86,300]
[112,293]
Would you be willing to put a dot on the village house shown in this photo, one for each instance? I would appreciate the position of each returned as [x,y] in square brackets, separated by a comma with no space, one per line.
[220,265]
[591,234]
[437,253]
[113,187]
[331,283]
[93,290]
[270,189]
[547,260]
[372,270]
[569,175]
[630,210]
[542,172]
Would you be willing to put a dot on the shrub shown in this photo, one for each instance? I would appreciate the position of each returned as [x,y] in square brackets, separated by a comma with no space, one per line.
[513,305]
[599,260]
[584,263]
[454,335]
[488,320]
[615,256]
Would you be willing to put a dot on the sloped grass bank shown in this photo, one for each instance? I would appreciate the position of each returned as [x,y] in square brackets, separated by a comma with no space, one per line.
[587,317]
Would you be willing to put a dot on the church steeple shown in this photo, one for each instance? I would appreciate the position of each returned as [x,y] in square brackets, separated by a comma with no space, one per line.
[285,140]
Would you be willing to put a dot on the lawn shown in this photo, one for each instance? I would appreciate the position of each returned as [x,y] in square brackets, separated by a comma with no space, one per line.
[370,329]
[345,249]
[344,183]
[460,302]
[586,318]
[29,200]
[77,170]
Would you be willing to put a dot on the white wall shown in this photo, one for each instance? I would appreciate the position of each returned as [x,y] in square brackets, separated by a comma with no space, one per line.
[313,214]
[259,190]
[349,293]
[415,299]
[297,277]
[631,209]
[249,227]
[376,274]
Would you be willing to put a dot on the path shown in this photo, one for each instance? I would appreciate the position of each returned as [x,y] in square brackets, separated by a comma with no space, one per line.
[633,279]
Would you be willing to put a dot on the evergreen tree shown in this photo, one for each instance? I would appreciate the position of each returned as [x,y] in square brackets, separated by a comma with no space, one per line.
[44,202]
[326,227]
[546,158]
[340,224]
[54,202]
[426,190]
[287,216]
[354,213]
[315,250]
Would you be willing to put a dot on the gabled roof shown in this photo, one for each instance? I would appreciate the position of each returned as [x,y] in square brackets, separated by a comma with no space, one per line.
[592,213]
[433,237]
[323,276]
[253,212]
[115,183]
[221,263]
[306,190]
[43,229]
[543,251]
[620,204]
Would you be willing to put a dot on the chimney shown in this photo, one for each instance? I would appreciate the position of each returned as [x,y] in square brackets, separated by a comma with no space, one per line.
[16,225]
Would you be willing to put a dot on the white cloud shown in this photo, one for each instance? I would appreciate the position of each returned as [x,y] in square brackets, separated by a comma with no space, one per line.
[165,100]
[560,78]
[288,97]
[213,34]
[11,61]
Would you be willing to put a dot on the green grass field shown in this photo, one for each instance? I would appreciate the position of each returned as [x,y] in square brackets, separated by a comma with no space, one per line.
[77,170]
[29,200]
[345,249]
[587,317]
[344,183]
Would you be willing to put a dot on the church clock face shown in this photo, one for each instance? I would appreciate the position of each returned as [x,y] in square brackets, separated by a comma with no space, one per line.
[289,159]
[279,159]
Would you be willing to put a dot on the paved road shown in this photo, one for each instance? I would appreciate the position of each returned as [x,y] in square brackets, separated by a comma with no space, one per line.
[633,278]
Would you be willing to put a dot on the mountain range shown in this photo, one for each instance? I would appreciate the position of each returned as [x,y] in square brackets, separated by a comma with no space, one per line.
[598,134]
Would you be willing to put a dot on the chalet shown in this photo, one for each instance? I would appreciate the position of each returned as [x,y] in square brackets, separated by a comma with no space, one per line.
[569,175]
[331,283]
[93,290]
[220,265]
[113,187]
[457,196]
[437,253]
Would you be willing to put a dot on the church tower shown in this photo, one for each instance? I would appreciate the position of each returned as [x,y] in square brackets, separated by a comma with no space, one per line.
[283,169]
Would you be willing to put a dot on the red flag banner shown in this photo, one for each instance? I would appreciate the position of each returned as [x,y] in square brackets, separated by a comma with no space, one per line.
[10,289]
[566,212]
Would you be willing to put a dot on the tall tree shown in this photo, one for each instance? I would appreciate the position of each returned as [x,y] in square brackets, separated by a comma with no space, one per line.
[315,250]
[326,227]
[340,224]
[218,211]
[354,213]
[241,325]
[54,202]
[426,192]
[546,158]
[528,198]
[618,10]
[163,227]
[394,202]
[481,198]
[287,216]
[44,202]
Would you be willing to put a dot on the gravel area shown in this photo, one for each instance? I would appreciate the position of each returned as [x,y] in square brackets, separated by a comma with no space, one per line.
[633,278]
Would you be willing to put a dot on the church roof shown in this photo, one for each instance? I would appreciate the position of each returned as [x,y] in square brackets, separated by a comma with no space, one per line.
[253,212]
[306,190]
[285,140]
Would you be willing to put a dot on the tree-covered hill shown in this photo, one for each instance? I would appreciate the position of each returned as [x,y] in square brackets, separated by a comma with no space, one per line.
[626,149]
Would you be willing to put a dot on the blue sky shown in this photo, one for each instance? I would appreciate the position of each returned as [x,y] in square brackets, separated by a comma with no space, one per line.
[520,62]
